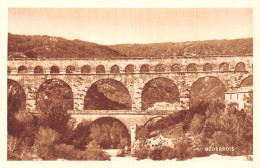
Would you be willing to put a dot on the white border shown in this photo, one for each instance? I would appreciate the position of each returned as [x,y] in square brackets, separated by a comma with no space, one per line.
[4,5]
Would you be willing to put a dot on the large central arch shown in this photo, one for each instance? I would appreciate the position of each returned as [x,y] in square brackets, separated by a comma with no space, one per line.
[207,89]
[107,94]
[54,92]
[159,90]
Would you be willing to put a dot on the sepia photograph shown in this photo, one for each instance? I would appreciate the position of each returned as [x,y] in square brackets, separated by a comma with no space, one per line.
[130,84]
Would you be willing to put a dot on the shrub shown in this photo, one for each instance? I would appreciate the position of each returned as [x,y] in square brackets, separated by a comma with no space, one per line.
[141,153]
[156,154]
[183,150]
[142,132]
[68,152]
[80,134]
[168,153]
[13,146]
[229,128]
[95,152]
[57,118]
[44,143]
[21,138]
[197,123]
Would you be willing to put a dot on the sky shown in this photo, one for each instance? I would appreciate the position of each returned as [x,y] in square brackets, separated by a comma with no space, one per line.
[133,25]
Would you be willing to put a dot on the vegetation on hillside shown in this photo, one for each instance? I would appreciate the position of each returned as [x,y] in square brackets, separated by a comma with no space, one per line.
[189,48]
[22,46]
[206,129]
[25,46]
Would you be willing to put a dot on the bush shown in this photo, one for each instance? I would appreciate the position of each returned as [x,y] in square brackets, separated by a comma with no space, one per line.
[141,153]
[142,132]
[168,153]
[197,124]
[156,154]
[44,143]
[13,148]
[229,128]
[184,116]
[21,137]
[68,152]
[95,152]
[80,134]
[183,150]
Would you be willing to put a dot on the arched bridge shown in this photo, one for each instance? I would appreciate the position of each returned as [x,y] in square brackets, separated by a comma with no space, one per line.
[178,78]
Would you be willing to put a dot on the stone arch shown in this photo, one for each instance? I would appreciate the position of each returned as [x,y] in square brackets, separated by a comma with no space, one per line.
[54,92]
[176,68]
[16,101]
[151,119]
[248,81]
[86,69]
[207,89]
[207,67]
[38,70]
[70,69]
[159,90]
[160,68]
[54,69]
[100,69]
[115,69]
[8,70]
[22,69]
[145,68]
[16,97]
[240,66]
[107,94]
[130,68]
[192,67]
[224,67]
[109,133]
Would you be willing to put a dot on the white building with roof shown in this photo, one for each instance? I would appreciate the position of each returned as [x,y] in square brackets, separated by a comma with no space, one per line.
[238,96]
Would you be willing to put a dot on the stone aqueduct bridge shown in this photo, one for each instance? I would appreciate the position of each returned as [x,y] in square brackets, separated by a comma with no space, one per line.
[134,73]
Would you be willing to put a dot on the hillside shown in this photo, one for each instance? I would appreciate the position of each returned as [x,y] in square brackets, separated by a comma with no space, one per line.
[22,46]
[189,48]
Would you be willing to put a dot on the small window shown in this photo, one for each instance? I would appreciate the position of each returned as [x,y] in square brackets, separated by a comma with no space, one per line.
[22,69]
[115,69]
[160,68]
[85,69]
[54,69]
[176,68]
[240,67]
[192,67]
[70,69]
[144,68]
[100,69]
[207,67]
[38,70]
[224,67]
[129,68]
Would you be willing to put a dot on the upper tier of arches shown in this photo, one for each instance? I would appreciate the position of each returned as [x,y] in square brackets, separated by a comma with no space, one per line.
[130,68]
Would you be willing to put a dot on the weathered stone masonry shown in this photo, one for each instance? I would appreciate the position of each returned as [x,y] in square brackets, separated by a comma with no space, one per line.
[134,81]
